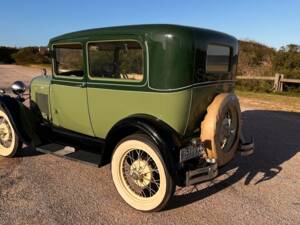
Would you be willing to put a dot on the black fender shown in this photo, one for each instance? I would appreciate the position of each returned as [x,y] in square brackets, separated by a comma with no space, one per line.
[166,138]
[21,118]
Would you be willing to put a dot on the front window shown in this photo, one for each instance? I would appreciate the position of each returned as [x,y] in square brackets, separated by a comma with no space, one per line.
[122,60]
[68,60]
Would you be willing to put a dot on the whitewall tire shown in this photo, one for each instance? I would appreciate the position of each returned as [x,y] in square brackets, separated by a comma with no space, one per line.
[140,174]
[9,140]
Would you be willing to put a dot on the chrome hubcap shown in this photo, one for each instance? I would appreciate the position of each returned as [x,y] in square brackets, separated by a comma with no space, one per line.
[141,173]
[228,130]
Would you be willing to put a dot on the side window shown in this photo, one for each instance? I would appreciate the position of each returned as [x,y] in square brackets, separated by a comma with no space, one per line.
[68,60]
[218,59]
[121,60]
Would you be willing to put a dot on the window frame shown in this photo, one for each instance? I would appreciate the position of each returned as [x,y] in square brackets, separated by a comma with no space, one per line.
[114,81]
[229,59]
[57,76]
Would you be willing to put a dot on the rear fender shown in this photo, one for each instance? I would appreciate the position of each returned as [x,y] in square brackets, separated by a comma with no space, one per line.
[163,135]
[22,119]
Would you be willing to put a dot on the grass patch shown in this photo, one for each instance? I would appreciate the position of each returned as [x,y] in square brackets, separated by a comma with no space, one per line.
[276,99]
[255,85]
[267,101]
[260,86]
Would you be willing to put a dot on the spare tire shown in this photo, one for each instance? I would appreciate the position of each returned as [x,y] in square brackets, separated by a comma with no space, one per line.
[221,127]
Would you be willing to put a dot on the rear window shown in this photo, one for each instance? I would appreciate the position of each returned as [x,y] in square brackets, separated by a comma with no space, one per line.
[218,59]
[121,60]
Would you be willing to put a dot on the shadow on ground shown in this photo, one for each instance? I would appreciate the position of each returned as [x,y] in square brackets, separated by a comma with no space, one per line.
[277,139]
[27,151]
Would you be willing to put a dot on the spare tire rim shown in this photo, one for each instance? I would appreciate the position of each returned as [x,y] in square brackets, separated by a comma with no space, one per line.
[140,173]
[228,130]
[5,133]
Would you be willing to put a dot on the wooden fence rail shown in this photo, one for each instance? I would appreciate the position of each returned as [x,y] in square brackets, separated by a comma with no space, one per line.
[278,79]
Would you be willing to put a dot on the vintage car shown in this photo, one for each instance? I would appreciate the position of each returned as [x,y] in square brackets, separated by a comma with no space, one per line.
[155,101]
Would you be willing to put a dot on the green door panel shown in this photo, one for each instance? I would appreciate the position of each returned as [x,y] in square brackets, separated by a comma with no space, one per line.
[69,108]
[107,107]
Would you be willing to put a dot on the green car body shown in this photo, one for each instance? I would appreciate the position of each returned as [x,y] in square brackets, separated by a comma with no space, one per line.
[159,82]
[155,101]
[175,88]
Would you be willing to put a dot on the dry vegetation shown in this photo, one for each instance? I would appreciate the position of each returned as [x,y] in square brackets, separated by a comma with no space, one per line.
[268,101]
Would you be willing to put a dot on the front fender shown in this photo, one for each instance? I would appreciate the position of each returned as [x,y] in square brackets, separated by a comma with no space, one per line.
[22,119]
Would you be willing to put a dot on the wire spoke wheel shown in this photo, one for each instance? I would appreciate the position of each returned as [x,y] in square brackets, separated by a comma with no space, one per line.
[9,141]
[5,133]
[140,174]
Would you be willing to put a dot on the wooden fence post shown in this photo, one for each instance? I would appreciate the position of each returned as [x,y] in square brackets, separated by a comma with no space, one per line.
[281,82]
[278,84]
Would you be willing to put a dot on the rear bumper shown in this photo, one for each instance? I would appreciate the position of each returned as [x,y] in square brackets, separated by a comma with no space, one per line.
[200,170]
[205,169]
[201,174]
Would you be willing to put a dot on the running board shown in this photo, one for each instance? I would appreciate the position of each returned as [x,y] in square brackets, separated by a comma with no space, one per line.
[88,157]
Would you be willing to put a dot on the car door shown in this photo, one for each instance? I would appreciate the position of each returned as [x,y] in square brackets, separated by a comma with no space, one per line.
[69,107]
[116,79]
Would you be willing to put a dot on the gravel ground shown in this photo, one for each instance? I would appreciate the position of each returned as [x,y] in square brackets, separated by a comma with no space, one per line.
[260,189]
[11,73]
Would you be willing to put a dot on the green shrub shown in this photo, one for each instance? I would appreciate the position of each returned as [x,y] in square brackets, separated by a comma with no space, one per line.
[5,54]
[287,61]
[255,85]
[30,55]
[292,88]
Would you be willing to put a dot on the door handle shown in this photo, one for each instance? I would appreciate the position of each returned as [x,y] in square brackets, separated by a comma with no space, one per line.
[82,85]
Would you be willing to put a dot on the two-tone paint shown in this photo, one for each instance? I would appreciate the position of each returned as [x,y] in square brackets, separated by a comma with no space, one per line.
[175,89]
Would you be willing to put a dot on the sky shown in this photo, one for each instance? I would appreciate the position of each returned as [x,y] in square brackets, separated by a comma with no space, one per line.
[33,22]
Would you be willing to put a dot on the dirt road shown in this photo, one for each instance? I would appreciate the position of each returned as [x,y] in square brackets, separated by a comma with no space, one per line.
[260,189]
[11,73]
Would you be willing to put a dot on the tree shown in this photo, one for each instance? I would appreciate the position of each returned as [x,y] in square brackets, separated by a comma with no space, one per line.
[255,59]
[287,61]
[5,54]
